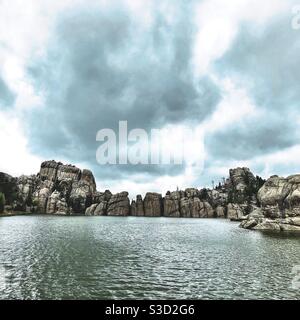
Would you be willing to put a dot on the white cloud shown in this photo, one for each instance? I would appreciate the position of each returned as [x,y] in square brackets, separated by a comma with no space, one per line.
[283,163]
[190,141]
[218,22]
[160,184]
[24,32]
[15,157]
[276,161]
[234,106]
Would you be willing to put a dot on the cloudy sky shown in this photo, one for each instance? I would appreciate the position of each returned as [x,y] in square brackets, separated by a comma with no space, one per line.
[230,69]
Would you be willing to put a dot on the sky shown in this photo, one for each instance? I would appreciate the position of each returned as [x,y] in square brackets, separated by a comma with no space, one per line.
[229,69]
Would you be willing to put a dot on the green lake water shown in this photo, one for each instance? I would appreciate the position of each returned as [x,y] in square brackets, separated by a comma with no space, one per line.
[48,257]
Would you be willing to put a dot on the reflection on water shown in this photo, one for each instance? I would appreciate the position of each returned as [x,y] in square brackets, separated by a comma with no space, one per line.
[109,257]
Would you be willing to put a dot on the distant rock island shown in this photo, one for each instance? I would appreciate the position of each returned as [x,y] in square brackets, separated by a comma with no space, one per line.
[60,189]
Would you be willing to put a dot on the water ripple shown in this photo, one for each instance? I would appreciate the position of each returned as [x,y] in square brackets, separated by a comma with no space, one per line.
[45,257]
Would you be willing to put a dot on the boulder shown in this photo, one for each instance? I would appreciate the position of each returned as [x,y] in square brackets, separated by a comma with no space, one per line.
[218,198]
[133,208]
[280,197]
[240,178]
[26,186]
[295,221]
[118,205]
[256,214]
[80,197]
[171,204]
[41,195]
[101,196]
[88,179]
[186,205]
[137,207]
[235,212]
[289,228]
[206,210]
[242,187]
[101,209]
[195,208]
[52,202]
[248,224]
[82,192]
[257,221]
[91,210]
[153,205]
[292,200]
[268,225]
[273,191]
[56,171]
[220,212]
[192,193]
[48,170]
[97,209]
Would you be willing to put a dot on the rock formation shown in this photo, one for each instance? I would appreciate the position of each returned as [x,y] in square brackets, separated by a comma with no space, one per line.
[153,204]
[56,189]
[60,189]
[118,204]
[279,205]
[171,204]
[65,189]
[242,193]
[191,206]
[188,203]
[9,187]
[137,207]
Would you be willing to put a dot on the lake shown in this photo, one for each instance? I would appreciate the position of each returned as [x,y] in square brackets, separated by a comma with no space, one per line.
[49,257]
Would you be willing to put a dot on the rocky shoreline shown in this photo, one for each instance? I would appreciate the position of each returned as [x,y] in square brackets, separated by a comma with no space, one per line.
[279,209]
[60,189]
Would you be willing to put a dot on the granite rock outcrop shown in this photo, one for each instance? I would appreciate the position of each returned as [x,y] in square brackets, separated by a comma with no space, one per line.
[60,189]
[279,200]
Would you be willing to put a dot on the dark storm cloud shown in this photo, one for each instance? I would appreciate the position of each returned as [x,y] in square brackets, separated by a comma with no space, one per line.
[253,137]
[102,67]
[267,63]
[7,97]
